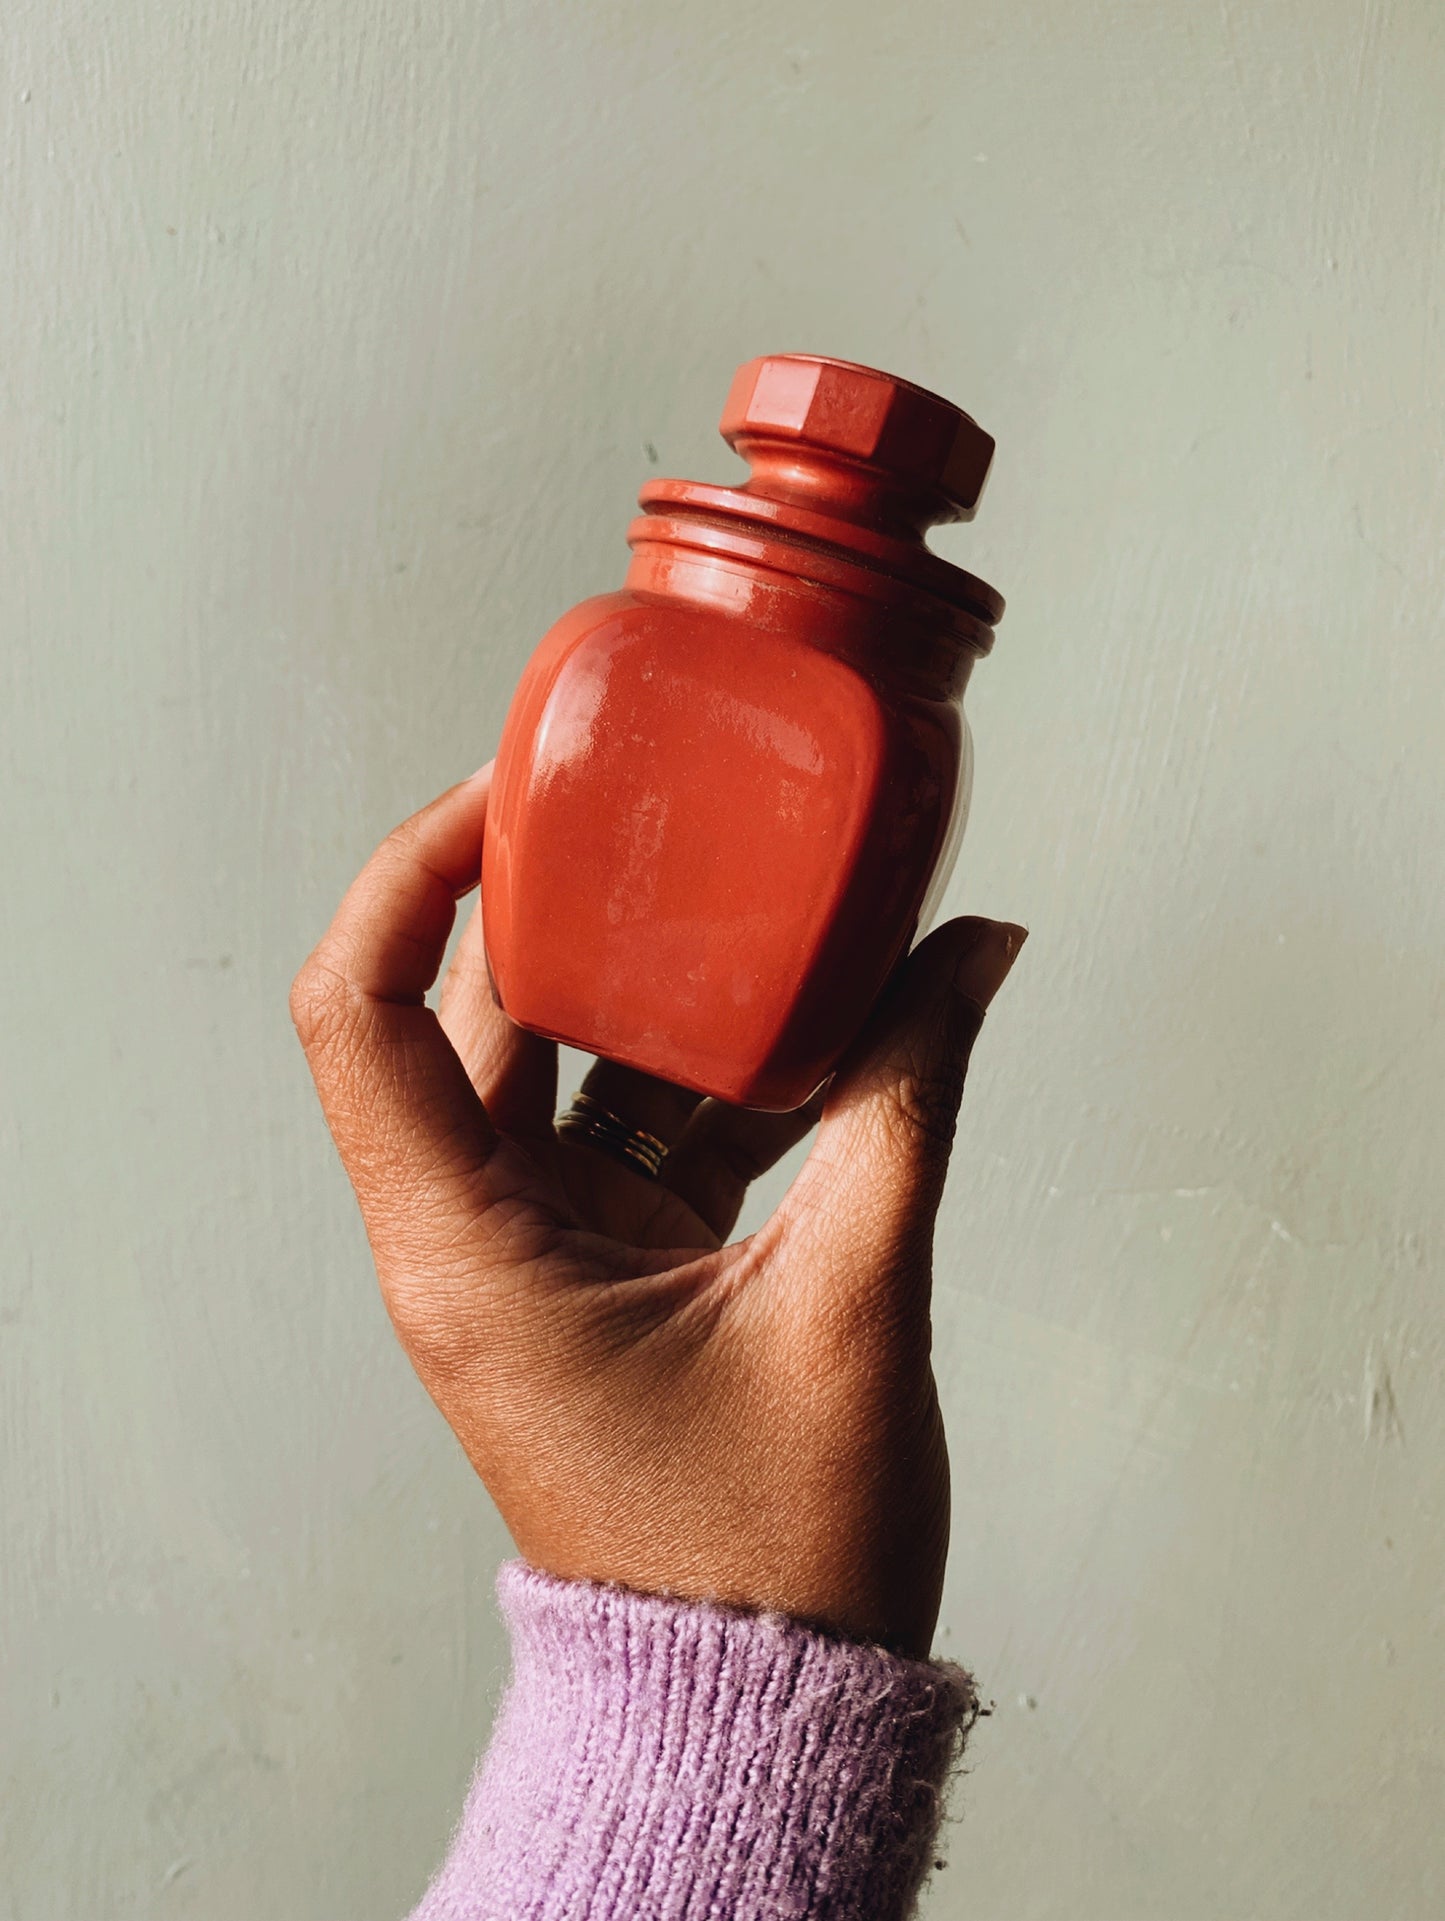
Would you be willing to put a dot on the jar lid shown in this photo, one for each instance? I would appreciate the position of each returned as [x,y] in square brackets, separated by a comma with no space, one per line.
[808,405]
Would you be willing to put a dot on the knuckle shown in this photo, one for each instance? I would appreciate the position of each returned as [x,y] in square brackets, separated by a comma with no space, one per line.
[321,1006]
[924,1105]
[405,840]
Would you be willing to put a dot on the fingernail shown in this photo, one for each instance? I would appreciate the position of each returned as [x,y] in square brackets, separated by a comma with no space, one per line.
[988,949]
[481,772]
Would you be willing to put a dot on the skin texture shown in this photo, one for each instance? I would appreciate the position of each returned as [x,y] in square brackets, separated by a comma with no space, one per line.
[755,1421]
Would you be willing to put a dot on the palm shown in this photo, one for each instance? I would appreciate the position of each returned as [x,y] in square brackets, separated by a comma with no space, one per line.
[612,1200]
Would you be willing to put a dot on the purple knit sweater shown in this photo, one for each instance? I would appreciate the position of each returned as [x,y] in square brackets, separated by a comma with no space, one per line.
[660,1760]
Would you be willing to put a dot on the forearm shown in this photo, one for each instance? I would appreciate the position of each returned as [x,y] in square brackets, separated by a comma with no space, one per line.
[655,1758]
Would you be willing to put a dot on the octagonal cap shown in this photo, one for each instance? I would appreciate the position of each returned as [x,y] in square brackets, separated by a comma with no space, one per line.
[834,407]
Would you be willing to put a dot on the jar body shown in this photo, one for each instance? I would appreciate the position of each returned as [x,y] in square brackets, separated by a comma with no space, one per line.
[713,828]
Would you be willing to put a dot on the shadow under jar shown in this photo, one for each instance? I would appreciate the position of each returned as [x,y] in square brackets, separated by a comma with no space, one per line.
[728,797]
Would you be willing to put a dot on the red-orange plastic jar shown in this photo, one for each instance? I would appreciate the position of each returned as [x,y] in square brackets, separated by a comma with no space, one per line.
[727,797]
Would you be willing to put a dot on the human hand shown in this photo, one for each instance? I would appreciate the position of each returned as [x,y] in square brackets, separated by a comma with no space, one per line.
[755,1422]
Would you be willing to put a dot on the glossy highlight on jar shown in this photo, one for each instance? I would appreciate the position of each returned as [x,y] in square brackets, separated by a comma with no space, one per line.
[728,796]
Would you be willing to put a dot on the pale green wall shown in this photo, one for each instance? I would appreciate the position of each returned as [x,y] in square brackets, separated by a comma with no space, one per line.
[334,336]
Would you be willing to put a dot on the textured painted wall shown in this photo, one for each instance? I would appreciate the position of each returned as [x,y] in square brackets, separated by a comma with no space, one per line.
[336,339]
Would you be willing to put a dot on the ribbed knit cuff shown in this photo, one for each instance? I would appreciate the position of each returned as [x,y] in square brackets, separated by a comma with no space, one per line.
[660,1760]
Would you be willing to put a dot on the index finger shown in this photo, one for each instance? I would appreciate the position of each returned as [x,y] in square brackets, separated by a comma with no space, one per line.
[391,929]
[397,1099]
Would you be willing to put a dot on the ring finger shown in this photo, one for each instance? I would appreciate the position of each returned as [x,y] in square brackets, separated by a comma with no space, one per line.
[641,1102]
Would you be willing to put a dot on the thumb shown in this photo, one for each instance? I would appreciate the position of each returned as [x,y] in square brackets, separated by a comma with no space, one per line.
[877,1169]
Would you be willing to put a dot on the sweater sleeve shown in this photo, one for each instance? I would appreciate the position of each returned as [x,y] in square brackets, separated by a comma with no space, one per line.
[660,1760]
